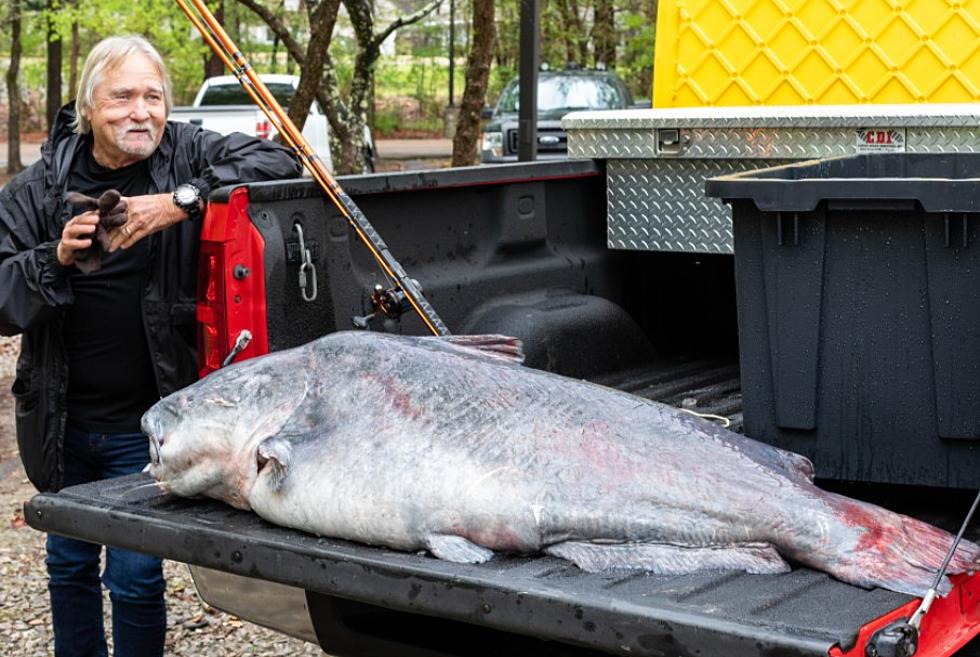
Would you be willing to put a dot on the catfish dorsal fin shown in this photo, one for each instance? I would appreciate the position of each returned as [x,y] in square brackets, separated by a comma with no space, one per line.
[497,347]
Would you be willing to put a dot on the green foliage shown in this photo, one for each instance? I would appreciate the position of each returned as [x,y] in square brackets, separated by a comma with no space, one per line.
[412,93]
[415,78]
[500,75]
[391,124]
[160,21]
[386,123]
[423,77]
[343,49]
[635,64]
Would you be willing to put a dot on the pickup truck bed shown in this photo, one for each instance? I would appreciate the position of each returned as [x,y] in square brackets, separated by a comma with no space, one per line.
[800,613]
[522,250]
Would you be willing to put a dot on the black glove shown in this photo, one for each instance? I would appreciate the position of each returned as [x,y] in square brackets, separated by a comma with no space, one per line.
[112,214]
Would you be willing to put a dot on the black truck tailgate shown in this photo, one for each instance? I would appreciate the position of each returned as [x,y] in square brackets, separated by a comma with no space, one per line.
[800,613]
[709,615]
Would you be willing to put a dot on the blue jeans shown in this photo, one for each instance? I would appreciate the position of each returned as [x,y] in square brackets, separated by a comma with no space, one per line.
[135,581]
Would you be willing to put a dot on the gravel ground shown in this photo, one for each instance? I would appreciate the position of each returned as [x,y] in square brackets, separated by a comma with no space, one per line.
[25,618]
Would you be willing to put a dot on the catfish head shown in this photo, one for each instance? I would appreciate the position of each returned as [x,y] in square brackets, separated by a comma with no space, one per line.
[204,439]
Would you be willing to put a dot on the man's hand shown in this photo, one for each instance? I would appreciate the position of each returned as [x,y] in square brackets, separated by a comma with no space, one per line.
[145,215]
[76,236]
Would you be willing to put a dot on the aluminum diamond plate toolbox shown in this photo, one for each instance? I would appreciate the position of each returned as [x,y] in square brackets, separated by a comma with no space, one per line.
[660,205]
[658,159]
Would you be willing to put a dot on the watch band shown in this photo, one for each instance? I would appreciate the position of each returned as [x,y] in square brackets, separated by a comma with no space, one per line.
[203,187]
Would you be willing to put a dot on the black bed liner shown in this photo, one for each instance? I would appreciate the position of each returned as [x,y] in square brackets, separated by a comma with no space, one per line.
[709,615]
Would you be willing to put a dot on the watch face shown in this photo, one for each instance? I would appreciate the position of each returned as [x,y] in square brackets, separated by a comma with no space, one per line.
[186,194]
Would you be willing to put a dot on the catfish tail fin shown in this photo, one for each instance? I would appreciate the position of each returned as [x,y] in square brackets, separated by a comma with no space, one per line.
[869,546]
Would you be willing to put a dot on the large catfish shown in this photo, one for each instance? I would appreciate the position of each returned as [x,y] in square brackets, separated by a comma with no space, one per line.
[449,445]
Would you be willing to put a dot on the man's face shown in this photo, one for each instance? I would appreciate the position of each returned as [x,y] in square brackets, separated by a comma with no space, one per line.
[128,114]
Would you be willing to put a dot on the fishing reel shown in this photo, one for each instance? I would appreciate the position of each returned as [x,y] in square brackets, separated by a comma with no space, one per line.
[391,303]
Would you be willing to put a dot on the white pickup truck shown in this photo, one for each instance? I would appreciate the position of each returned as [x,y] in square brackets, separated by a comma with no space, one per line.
[223,106]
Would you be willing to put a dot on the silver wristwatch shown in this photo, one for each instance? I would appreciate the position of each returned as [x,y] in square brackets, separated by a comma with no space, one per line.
[188,198]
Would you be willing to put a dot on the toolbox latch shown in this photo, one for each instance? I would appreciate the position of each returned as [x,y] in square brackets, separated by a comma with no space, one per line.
[671,141]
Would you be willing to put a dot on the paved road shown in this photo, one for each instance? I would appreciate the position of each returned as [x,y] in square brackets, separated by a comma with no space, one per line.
[388,149]
[29,154]
[411,149]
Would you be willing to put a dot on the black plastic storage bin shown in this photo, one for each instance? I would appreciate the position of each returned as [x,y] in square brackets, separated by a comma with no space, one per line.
[858,283]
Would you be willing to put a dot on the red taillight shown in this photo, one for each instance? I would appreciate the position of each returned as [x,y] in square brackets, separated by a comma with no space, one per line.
[231,284]
[262,127]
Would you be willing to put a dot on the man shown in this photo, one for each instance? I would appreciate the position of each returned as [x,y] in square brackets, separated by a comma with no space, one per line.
[99,348]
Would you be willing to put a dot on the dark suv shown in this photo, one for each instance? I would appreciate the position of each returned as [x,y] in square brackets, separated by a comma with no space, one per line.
[559,92]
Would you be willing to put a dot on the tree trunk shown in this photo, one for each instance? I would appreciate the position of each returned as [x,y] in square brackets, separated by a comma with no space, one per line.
[350,159]
[14,164]
[327,95]
[322,21]
[361,15]
[213,66]
[295,28]
[576,41]
[53,68]
[73,57]
[568,33]
[581,36]
[477,76]
[604,34]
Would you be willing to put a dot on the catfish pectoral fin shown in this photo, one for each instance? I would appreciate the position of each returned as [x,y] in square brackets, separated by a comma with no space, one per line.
[666,559]
[457,549]
[273,455]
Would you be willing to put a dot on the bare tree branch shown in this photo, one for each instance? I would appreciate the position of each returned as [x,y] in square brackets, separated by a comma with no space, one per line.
[402,21]
[279,28]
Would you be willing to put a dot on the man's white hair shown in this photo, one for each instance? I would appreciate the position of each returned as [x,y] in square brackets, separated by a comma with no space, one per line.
[106,55]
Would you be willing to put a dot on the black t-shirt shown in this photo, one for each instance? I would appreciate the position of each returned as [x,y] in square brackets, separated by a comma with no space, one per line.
[110,375]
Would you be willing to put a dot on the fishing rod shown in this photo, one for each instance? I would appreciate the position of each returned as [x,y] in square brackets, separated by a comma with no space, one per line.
[407,289]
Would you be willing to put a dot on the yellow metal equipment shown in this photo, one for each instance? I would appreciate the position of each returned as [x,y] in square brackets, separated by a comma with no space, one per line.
[826,52]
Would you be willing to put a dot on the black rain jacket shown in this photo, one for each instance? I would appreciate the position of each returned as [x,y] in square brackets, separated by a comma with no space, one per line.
[35,289]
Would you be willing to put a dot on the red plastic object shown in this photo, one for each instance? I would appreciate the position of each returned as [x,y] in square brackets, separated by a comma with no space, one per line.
[948,626]
[228,304]
[263,129]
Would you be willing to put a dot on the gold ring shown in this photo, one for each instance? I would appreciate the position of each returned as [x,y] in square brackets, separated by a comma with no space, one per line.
[126,230]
